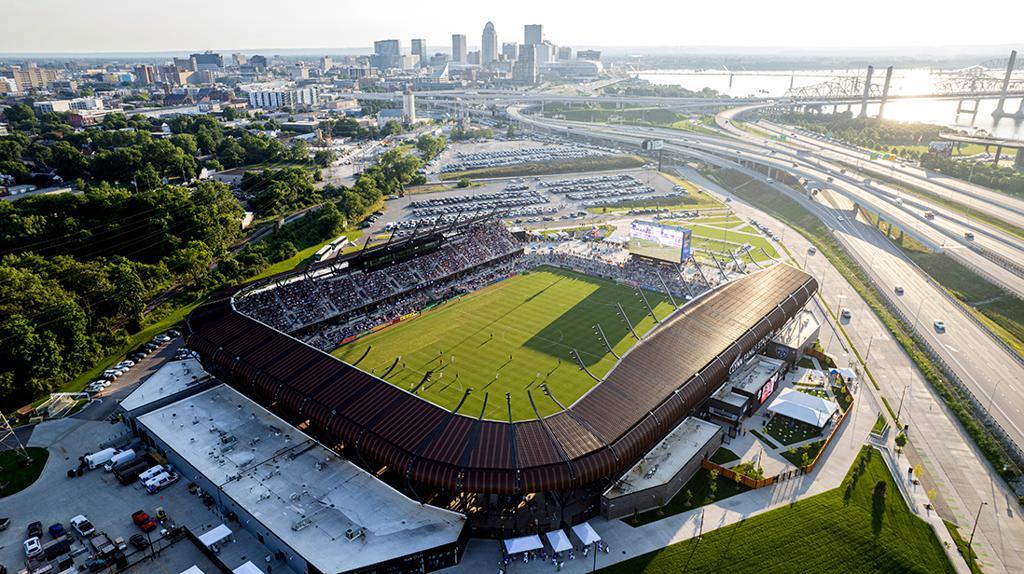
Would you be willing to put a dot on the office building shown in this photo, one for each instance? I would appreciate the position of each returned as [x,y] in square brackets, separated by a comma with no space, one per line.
[258,63]
[509,51]
[564,53]
[173,75]
[525,70]
[488,45]
[419,48]
[145,74]
[276,95]
[206,62]
[33,78]
[593,55]
[459,48]
[52,106]
[533,34]
[326,63]
[239,59]
[386,54]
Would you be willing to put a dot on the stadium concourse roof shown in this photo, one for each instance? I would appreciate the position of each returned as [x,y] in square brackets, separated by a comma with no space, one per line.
[675,368]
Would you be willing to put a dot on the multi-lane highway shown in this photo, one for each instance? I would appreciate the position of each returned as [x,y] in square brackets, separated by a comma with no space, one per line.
[972,352]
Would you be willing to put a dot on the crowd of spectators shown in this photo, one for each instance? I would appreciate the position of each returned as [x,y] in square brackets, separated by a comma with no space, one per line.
[304,301]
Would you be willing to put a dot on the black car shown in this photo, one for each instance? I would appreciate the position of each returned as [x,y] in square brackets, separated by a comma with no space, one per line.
[139,541]
[35,529]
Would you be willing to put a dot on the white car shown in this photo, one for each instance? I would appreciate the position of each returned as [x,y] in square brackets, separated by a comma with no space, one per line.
[846,314]
[127,363]
[82,525]
[33,547]
[940,326]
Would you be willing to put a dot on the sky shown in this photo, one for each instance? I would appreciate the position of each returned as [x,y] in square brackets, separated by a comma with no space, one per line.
[124,26]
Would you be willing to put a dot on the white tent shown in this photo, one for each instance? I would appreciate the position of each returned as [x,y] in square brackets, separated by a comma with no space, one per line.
[218,533]
[193,570]
[803,407]
[523,544]
[558,541]
[247,568]
[585,533]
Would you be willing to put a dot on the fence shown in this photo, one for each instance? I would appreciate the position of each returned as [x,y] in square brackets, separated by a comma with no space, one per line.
[770,480]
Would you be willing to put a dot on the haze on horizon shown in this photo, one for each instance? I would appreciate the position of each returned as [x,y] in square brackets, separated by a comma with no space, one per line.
[122,26]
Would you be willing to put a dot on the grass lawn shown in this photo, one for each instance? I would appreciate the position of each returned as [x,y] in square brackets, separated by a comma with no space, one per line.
[763,439]
[853,528]
[15,474]
[301,257]
[961,546]
[788,431]
[535,318]
[578,165]
[879,424]
[724,456]
[796,454]
[696,492]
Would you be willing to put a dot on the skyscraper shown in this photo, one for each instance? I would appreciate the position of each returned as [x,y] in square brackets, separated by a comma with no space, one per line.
[488,45]
[533,34]
[525,70]
[459,48]
[419,48]
[510,50]
[387,48]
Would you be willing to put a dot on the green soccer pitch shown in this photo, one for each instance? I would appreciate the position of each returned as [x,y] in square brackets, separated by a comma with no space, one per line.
[510,337]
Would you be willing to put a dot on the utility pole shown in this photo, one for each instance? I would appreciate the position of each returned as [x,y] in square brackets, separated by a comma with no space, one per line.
[900,408]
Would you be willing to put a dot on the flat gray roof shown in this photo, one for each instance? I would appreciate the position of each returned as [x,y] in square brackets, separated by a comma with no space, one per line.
[667,458]
[754,374]
[173,377]
[308,496]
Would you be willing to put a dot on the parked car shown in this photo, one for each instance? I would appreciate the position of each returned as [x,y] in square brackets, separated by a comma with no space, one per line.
[32,547]
[153,471]
[82,525]
[160,482]
[139,541]
[57,530]
[35,529]
[144,521]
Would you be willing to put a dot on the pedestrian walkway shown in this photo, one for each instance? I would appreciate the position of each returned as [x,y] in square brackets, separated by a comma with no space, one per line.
[627,542]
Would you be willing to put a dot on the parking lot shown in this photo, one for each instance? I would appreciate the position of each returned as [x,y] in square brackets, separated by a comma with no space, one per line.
[109,505]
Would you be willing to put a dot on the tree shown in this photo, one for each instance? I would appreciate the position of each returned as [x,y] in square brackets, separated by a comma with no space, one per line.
[391,128]
[192,260]
[324,158]
[464,182]
[712,483]
[21,117]
[901,440]
[129,289]
[15,169]
[510,132]
[68,161]
[187,143]
[299,151]
[430,146]
[147,178]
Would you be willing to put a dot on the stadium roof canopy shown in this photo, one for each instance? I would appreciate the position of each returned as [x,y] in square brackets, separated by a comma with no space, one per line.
[652,388]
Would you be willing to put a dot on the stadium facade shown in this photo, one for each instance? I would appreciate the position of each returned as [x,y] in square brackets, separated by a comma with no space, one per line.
[508,477]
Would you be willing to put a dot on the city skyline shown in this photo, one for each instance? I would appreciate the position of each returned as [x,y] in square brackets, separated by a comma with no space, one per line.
[340,25]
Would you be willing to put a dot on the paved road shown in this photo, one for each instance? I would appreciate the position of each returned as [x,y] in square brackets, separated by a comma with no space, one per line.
[961,473]
[962,476]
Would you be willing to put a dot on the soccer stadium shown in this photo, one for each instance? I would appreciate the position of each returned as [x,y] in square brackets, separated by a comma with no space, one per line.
[481,373]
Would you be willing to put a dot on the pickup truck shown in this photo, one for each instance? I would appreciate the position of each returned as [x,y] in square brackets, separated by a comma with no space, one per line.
[102,544]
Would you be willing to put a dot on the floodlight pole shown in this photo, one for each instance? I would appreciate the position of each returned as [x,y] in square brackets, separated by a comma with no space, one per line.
[622,313]
[667,290]
[640,292]
[970,543]
[607,345]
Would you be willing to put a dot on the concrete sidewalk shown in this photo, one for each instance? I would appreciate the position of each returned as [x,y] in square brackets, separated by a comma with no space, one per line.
[627,542]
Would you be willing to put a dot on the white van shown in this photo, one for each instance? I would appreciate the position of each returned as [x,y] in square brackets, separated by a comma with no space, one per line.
[124,456]
[160,481]
[150,473]
[100,458]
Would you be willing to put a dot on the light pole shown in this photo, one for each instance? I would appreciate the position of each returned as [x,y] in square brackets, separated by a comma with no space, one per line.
[900,408]
[970,543]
